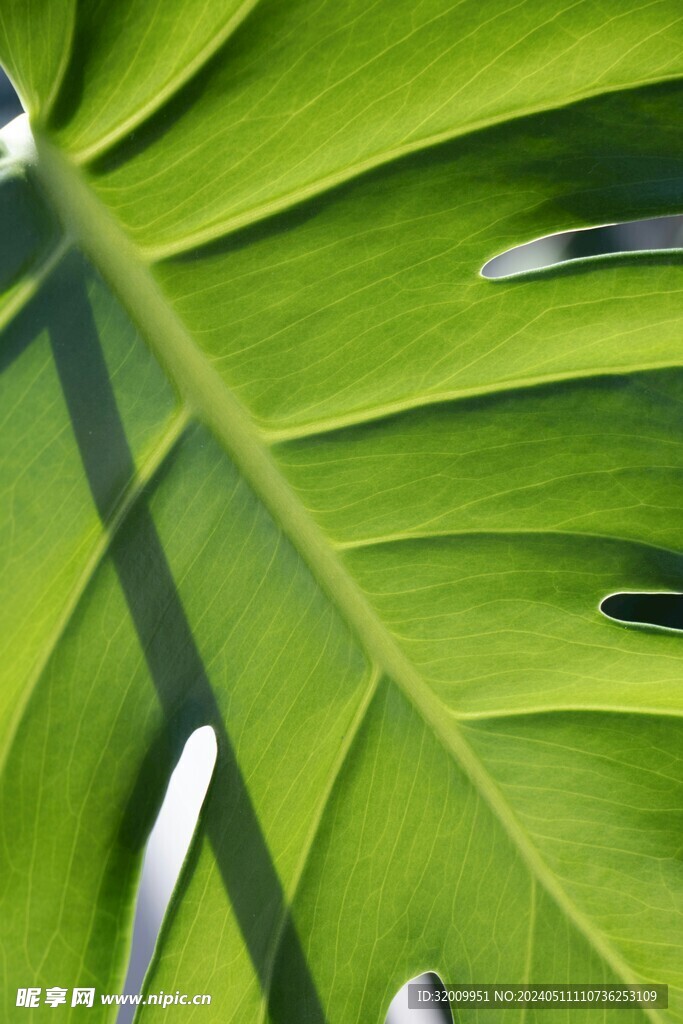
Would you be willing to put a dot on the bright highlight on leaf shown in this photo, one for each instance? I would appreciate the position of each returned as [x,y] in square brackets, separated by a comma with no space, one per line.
[278,460]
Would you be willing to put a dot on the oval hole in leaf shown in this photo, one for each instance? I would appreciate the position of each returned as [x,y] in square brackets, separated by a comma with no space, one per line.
[167,847]
[665,610]
[398,1012]
[657,233]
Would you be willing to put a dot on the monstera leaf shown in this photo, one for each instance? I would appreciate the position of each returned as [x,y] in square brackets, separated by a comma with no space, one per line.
[278,459]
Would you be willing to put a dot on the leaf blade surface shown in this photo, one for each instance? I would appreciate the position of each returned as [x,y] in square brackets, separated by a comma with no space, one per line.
[352,308]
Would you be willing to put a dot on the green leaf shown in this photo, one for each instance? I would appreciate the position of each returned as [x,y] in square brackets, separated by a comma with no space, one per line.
[277,459]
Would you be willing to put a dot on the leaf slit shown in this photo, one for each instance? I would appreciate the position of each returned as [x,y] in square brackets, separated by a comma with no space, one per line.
[656,234]
[166,851]
[645,609]
[10,104]
[400,1011]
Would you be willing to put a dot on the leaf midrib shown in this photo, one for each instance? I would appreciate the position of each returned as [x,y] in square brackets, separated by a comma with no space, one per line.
[121,264]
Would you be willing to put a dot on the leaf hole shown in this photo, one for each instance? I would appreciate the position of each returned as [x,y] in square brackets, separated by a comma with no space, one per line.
[400,1012]
[10,104]
[565,247]
[642,609]
[165,853]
